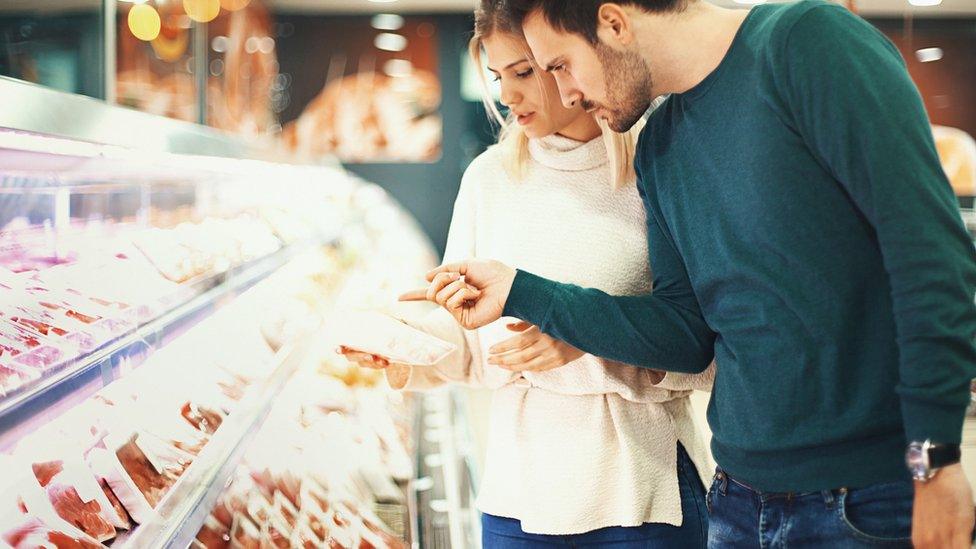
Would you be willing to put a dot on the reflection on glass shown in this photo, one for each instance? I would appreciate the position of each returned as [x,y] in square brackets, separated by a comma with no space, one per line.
[155,68]
[55,43]
[244,90]
[359,92]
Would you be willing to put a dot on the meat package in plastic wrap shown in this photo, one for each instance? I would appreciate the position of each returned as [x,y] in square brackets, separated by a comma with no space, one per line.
[382,335]
[23,529]
[140,469]
[77,497]
[12,379]
[22,347]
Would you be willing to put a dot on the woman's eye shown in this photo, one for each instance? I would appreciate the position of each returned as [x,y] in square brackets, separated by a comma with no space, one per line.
[524,74]
[496,78]
[558,68]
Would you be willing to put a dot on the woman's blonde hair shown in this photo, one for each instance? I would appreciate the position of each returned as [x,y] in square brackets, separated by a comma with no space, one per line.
[490,18]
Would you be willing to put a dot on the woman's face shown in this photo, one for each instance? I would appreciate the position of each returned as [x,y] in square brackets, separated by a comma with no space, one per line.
[529,92]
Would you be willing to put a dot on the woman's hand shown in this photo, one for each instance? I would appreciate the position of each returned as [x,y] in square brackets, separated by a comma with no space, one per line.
[531,351]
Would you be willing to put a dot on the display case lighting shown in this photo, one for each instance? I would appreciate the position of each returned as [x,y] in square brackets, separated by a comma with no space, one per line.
[387,21]
[927,55]
[925,3]
[389,41]
[398,68]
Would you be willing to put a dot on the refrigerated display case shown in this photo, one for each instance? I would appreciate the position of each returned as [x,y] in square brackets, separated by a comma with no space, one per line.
[164,347]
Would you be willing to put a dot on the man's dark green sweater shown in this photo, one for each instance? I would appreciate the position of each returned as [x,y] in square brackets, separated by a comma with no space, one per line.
[802,230]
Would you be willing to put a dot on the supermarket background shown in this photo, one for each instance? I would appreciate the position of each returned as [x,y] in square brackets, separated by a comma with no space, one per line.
[190,188]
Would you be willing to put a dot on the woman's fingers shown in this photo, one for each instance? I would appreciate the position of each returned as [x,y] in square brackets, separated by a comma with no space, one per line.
[366,360]
[518,360]
[515,343]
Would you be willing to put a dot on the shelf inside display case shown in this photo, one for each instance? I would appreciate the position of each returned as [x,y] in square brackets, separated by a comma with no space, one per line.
[25,409]
[183,511]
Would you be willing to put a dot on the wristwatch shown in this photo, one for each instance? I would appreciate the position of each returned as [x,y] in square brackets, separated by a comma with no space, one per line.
[924,459]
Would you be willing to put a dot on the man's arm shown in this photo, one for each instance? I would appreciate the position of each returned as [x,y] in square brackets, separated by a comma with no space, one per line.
[866,122]
[664,330]
[853,102]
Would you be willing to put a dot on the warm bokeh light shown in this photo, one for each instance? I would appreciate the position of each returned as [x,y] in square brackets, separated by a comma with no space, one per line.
[234,5]
[144,22]
[202,11]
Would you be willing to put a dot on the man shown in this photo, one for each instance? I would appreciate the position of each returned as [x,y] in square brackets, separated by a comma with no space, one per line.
[801,226]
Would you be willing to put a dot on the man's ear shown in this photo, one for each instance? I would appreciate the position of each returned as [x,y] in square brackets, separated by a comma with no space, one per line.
[614,25]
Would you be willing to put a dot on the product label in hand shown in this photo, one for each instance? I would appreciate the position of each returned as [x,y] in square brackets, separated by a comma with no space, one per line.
[378,334]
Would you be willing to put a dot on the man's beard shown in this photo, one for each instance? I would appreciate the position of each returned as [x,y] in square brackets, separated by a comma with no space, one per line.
[629,97]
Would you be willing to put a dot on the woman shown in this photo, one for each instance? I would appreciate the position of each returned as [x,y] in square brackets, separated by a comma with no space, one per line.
[580,449]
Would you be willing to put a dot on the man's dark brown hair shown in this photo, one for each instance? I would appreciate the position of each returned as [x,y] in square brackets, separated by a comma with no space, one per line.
[579,16]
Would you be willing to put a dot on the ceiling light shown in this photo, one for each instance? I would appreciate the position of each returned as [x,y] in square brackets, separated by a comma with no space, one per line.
[390,42]
[382,1]
[750,2]
[219,44]
[927,55]
[387,21]
[144,22]
[925,3]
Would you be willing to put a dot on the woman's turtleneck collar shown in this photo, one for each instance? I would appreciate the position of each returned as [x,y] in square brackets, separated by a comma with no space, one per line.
[565,154]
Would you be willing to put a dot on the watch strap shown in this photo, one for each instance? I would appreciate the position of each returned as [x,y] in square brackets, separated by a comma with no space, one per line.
[943,455]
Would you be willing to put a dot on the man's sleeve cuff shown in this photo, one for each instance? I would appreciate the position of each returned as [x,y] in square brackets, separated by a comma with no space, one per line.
[530,298]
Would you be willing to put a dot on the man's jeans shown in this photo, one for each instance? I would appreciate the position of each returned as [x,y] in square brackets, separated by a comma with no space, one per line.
[874,516]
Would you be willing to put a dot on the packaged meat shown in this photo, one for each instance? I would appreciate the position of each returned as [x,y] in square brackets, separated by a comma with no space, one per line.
[21,346]
[213,534]
[152,465]
[32,533]
[244,534]
[122,519]
[285,509]
[44,323]
[27,520]
[379,334]
[140,469]
[275,534]
[106,465]
[201,418]
[76,497]
[12,379]
[304,538]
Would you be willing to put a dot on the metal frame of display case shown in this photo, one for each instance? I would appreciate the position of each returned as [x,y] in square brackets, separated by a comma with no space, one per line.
[444,494]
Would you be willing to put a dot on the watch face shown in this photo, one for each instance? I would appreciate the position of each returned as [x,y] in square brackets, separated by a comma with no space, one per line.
[917,461]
